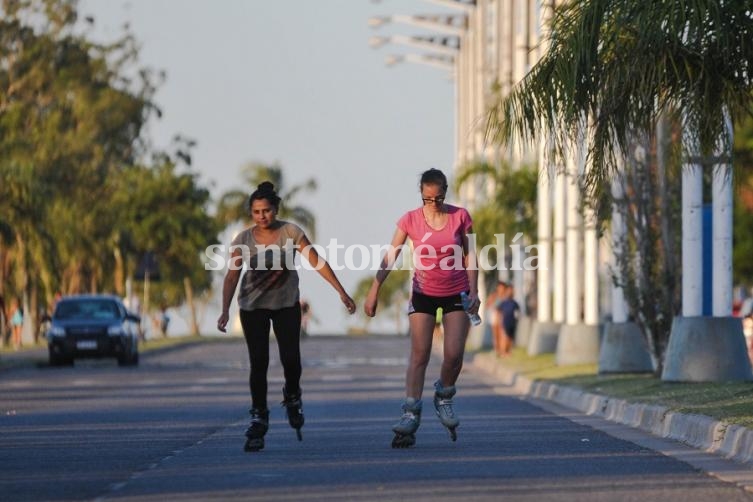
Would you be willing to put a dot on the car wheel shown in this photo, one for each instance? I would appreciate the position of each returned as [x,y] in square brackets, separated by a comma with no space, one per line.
[132,360]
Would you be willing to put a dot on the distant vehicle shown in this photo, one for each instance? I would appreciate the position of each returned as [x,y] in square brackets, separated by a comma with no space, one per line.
[93,326]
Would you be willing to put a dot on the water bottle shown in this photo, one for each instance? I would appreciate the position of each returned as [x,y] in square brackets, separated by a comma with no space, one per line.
[475,318]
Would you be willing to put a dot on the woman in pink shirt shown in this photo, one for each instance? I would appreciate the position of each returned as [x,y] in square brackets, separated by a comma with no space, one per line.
[443,269]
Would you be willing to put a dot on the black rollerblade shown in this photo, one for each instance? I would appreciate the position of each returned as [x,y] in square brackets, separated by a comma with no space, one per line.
[256,430]
[294,410]
[443,406]
[405,429]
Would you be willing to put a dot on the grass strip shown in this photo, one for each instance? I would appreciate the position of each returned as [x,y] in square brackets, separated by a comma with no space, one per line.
[731,402]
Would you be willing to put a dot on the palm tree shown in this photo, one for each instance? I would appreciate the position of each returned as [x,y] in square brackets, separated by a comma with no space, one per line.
[615,67]
[233,205]
[510,208]
[393,294]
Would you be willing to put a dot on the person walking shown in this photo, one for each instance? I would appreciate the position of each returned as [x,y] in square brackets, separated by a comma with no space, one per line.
[444,267]
[16,323]
[509,313]
[3,321]
[269,295]
[491,317]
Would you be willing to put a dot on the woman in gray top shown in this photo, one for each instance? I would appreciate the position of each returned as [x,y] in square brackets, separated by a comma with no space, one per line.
[269,295]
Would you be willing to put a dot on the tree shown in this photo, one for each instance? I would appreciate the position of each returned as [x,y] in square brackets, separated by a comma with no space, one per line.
[614,67]
[743,215]
[393,294]
[511,207]
[648,265]
[233,205]
[164,213]
[67,122]
[80,198]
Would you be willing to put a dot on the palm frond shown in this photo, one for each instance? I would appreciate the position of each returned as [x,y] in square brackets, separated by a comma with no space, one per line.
[616,65]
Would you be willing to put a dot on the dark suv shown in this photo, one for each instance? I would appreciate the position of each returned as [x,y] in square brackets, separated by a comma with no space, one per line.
[93,326]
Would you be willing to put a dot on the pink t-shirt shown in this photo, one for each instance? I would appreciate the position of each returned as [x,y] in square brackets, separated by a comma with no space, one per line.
[438,268]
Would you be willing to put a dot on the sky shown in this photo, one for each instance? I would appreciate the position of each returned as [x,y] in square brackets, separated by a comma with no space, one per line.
[295,82]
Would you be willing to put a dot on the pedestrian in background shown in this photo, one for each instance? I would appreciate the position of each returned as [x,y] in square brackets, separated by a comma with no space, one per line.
[491,317]
[509,313]
[269,295]
[3,321]
[16,323]
[438,230]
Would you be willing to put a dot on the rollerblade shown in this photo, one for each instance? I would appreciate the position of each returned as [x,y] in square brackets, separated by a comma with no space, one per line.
[294,410]
[256,430]
[405,429]
[443,405]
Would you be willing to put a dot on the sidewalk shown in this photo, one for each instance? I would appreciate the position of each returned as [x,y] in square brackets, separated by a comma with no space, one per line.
[729,441]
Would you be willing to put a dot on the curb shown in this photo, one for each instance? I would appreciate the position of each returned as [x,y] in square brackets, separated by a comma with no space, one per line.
[699,431]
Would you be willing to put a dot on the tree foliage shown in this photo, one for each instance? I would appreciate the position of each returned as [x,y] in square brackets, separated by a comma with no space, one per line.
[742,265]
[510,208]
[80,197]
[233,205]
[648,260]
[393,294]
[613,69]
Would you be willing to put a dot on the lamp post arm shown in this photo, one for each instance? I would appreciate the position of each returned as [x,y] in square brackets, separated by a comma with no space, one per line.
[436,60]
[443,45]
[465,6]
[453,24]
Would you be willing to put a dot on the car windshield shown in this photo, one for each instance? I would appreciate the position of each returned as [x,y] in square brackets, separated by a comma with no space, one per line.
[87,309]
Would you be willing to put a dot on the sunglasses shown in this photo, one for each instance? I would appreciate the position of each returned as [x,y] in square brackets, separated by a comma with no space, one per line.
[435,200]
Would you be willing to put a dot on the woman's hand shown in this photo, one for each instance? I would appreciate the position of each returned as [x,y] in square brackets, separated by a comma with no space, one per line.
[474,303]
[222,322]
[370,305]
[349,303]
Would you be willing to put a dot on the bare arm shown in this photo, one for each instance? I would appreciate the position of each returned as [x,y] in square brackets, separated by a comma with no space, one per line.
[321,266]
[470,261]
[228,288]
[385,266]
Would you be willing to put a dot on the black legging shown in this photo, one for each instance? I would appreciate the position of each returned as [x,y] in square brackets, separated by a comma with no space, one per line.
[287,328]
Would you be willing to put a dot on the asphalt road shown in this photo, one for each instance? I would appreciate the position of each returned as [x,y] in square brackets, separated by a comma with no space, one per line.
[172,429]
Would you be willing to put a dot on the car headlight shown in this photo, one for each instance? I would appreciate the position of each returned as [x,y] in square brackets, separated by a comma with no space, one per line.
[115,330]
[56,331]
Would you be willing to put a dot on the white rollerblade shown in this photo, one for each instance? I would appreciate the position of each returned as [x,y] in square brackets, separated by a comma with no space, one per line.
[443,406]
[405,429]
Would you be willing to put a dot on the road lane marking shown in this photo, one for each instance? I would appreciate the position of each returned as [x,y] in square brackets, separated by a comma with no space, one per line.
[337,378]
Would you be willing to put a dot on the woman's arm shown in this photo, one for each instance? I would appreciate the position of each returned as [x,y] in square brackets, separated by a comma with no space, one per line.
[470,262]
[385,266]
[321,266]
[228,288]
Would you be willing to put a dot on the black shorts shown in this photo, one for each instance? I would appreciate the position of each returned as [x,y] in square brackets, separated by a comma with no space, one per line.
[426,304]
